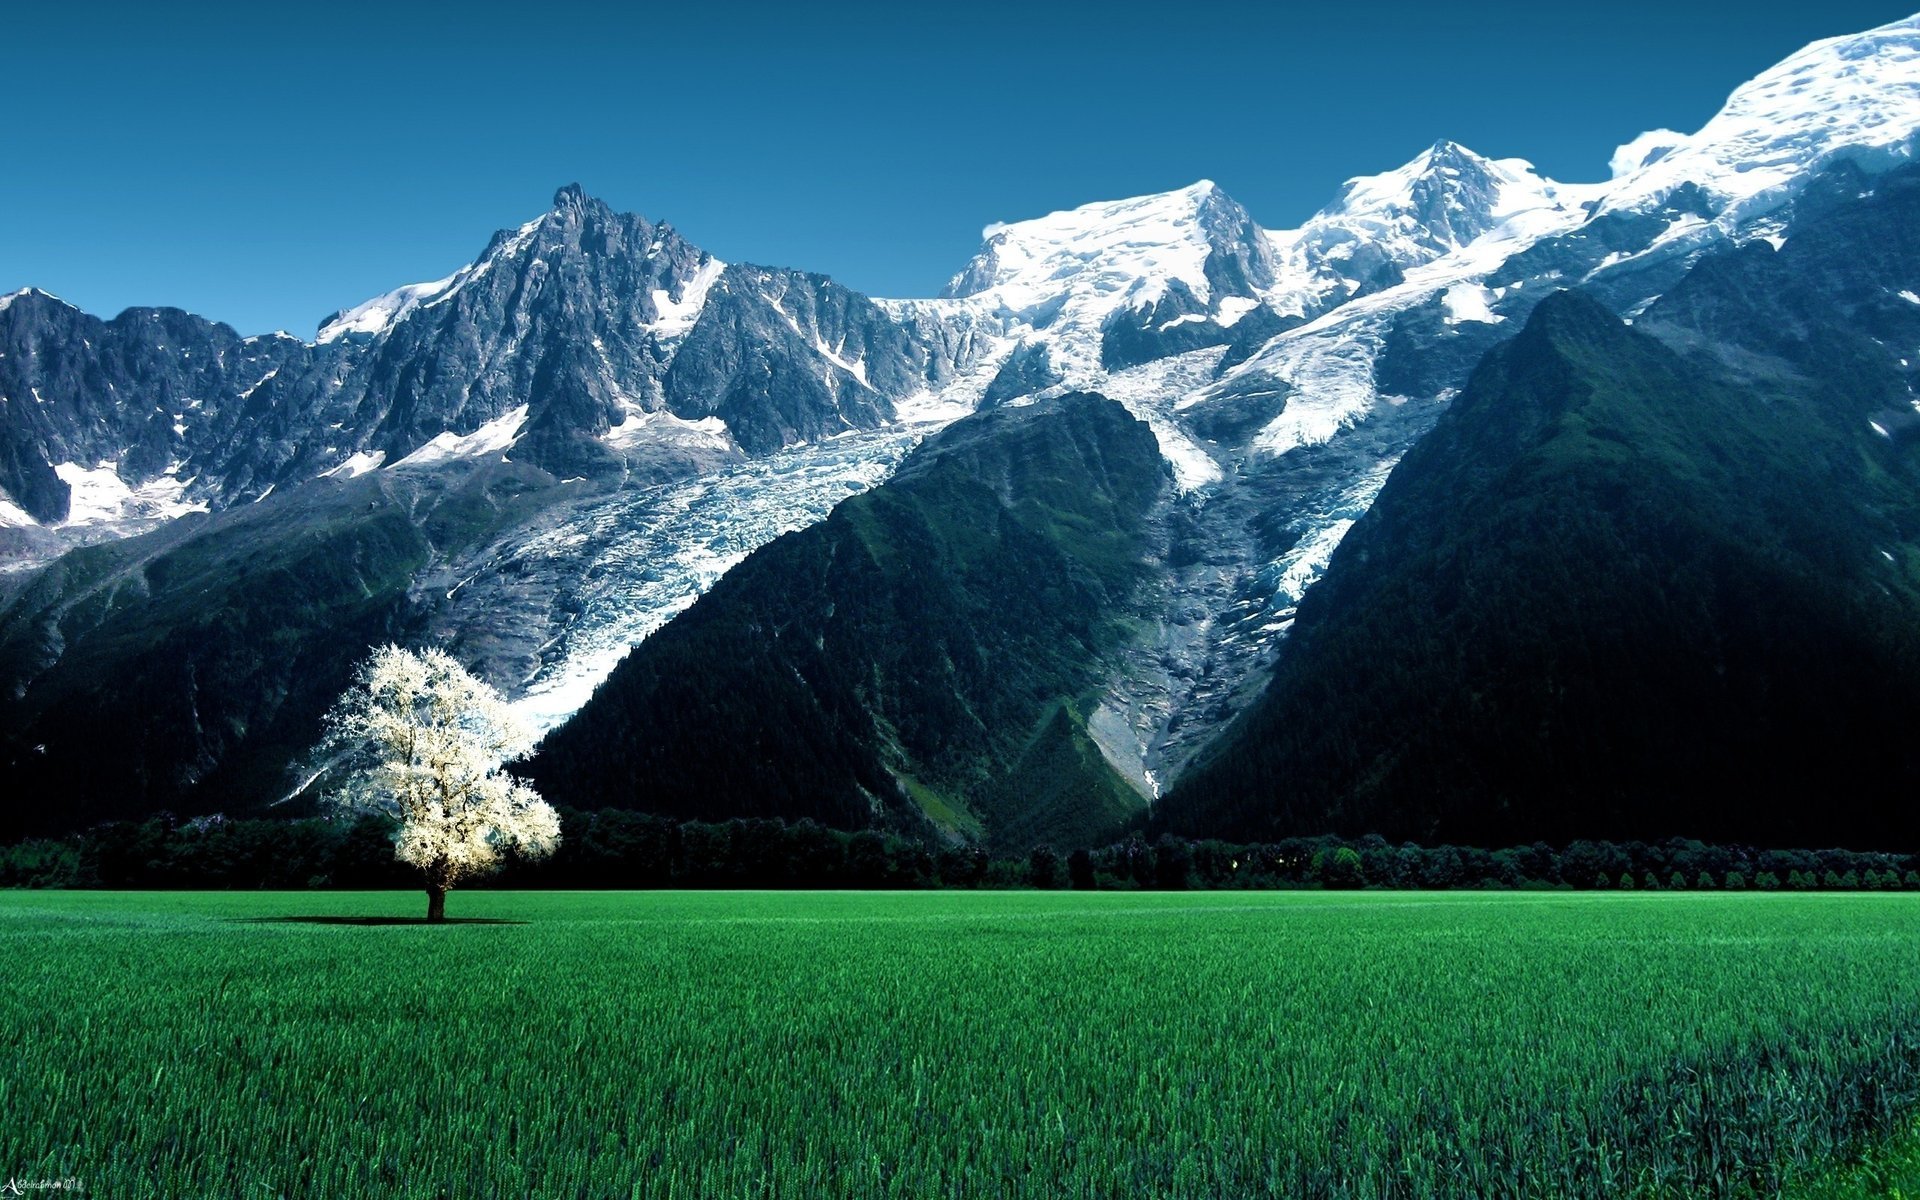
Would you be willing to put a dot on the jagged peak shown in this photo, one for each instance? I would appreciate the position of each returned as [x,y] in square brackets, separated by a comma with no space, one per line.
[1445,168]
[572,203]
[555,231]
[1441,199]
[1447,152]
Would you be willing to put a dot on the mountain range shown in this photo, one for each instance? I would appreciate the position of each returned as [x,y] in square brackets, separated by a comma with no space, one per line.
[1479,506]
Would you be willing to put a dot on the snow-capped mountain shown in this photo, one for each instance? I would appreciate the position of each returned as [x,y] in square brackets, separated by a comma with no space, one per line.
[582,341]
[1854,98]
[1381,226]
[1084,283]
[672,412]
[1366,318]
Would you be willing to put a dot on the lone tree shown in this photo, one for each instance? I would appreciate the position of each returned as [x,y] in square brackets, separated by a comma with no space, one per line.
[420,739]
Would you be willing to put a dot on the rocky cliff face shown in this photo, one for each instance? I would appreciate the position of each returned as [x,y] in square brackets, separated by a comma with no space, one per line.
[561,345]
[126,411]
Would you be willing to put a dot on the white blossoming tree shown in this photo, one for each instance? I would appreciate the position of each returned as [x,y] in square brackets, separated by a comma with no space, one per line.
[418,737]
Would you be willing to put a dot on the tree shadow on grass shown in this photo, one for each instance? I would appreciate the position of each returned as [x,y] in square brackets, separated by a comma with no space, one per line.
[324,920]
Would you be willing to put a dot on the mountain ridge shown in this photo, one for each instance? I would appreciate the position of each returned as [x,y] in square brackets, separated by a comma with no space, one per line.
[662,414]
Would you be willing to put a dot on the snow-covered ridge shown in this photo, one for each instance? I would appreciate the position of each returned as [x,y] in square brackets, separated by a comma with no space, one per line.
[1056,283]
[495,437]
[1113,250]
[1856,96]
[7,300]
[1441,201]
[357,464]
[382,312]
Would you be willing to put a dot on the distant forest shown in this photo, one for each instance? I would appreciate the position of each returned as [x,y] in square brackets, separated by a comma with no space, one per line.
[618,849]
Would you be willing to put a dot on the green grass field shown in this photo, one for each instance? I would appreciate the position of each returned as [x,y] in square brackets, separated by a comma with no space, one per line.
[958,1044]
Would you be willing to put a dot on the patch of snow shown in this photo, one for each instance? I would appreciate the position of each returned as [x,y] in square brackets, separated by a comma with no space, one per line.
[676,318]
[936,409]
[358,464]
[1469,302]
[100,497]
[1232,308]
[259,383]
[856,367]
[495,437]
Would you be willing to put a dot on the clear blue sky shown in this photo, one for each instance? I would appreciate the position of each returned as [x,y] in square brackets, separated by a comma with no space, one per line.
[265,165]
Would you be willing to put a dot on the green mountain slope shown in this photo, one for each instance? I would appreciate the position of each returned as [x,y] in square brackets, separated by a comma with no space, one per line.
[187,668]
[1617,592]
[926,650]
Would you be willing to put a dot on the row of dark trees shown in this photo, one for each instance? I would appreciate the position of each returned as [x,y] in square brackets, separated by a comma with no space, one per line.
[619,849]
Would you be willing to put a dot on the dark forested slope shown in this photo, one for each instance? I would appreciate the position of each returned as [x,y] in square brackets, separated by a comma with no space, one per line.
[930,648]
[1617,592]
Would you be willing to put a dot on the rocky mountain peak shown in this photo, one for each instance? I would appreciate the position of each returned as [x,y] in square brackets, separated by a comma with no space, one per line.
[1441,199]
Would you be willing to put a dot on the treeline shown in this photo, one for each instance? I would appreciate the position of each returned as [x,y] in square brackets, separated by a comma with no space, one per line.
[615,848]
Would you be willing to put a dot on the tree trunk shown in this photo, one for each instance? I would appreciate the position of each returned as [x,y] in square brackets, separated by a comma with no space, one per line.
[436,902]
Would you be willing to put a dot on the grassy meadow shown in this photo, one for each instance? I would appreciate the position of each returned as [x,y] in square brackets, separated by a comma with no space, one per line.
[958,1044]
